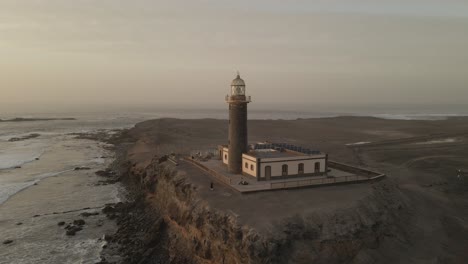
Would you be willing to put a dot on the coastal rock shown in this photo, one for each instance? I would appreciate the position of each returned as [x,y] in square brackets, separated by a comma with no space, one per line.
[105,173]
[61,223]
[111,176]
[108,237]
[79,222]
[81,168]
[108,209]
[30,136]
[8,241]
[72,229]
[21,119]
[88,214]
[100,222]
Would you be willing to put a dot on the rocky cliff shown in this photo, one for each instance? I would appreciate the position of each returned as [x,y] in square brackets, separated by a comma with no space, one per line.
[169,223]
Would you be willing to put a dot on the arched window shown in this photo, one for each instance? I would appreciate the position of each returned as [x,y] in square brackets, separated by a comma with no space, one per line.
[284,170]
[317,167]
[251,167]
[246,165]
[225,156]
[300,168]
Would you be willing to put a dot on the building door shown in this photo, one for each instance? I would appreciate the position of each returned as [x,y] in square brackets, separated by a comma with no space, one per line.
[268,173]
[317,167]
[284,170]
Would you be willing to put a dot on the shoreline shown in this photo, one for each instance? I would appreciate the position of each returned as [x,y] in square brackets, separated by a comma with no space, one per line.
[22,119]
[61,211]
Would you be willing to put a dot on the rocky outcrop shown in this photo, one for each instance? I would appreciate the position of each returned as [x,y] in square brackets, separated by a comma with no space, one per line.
[8,241]
[21,119]
[169,223]
[30,136]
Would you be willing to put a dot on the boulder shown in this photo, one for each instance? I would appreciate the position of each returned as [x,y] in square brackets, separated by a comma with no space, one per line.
[109,209]
[72,229]
[79,222]
[82,168]
[87,214]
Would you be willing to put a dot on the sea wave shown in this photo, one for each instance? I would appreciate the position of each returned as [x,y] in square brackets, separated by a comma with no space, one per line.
[417,116]
[9,189]
[18,153]
[16,158]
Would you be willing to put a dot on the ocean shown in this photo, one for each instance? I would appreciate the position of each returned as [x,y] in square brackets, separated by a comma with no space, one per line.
[39,187]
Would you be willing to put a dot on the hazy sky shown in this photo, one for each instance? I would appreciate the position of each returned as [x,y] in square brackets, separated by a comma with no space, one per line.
[75,52]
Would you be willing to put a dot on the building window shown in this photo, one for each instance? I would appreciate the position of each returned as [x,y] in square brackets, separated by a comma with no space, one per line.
[300,168]
[225,156]
[246,165]
[268,172]
[284,170]
[251,167]
[317,167]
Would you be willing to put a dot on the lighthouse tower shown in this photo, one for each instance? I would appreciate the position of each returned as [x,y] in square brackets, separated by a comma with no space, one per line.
[237,124]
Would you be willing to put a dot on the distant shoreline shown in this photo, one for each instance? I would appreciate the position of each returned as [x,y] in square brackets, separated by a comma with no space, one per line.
[20,119]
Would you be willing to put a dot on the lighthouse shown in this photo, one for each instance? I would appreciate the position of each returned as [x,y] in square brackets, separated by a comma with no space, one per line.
[260,161]
[237,140]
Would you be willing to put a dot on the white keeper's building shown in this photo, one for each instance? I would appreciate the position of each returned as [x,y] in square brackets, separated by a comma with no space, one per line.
[271,161]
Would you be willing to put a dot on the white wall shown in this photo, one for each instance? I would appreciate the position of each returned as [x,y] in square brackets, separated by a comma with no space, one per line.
[251,168]
[293,166]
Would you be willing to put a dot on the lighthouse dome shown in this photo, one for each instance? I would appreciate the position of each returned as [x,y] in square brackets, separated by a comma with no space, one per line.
[238,81]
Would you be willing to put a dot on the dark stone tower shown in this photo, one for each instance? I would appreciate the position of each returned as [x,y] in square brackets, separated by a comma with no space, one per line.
[237,124]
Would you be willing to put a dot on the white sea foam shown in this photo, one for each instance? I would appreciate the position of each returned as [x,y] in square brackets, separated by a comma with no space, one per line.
[13,154]
[438,141]
[358,143]
[17,159]
[88,250]
[10,158]
[9,189]
[99,160]
[417,116]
